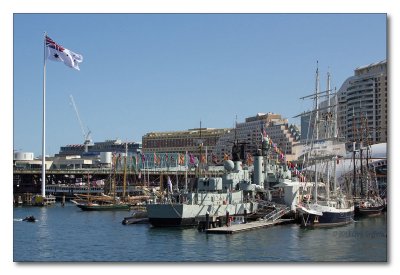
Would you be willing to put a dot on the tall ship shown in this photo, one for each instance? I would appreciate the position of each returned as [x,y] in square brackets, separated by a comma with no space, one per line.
[326,203]
[231,194]
[367,198]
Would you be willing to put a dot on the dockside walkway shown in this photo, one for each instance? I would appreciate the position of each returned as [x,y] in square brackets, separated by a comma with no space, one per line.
[236,228]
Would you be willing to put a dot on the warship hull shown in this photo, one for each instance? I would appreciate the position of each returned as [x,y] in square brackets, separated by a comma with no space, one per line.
[184,215]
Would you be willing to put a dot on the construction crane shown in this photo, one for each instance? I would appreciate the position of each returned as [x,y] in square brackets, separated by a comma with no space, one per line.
[86,136]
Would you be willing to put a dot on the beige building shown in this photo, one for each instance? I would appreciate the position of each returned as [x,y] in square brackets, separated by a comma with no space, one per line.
[362,105]
[182,141]
[250,132]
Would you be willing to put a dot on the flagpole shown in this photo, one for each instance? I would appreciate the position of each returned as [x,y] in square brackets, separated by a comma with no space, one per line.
[44,121]
[148,173]
[186,171]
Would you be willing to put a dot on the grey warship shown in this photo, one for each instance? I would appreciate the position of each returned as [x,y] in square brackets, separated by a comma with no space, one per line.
[232,193]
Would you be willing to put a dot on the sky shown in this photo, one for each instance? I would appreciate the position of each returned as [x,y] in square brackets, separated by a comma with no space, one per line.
[167,72]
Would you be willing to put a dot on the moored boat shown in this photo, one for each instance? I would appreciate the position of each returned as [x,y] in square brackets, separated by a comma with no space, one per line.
[215,196]
[102,203]
[103,207]
[330,206]
[367,199]
[369,207]
[325,214]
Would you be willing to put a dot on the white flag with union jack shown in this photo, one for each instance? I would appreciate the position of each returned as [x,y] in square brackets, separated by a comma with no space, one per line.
[58,53]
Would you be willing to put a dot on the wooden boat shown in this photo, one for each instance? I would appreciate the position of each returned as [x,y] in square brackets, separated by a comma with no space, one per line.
[103,207]
[369,207]
[100,203]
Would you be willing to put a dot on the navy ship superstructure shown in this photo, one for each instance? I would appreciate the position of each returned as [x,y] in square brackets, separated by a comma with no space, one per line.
[233,193]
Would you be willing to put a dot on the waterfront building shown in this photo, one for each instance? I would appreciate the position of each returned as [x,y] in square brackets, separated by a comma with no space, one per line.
[64,162]
[95,149]
[23,156]
[80,156]
[282,133]
[362,105]
[26,160]
[182,141]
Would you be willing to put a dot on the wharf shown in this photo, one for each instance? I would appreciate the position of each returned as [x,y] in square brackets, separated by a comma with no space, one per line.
[236,228]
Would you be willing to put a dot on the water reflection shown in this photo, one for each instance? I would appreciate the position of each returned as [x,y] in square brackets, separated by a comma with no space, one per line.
[44,235]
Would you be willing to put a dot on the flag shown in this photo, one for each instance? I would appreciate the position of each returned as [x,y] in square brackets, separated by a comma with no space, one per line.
[181,159]
[264,133]
[158,160]
[226,156]
[56,52]
[249,159]
[169,184]
[191,159]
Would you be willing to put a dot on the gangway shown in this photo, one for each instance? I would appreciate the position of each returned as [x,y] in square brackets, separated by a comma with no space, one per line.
[278,213]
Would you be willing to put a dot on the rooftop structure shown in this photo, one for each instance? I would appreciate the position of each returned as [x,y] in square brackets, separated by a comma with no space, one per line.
[114,145]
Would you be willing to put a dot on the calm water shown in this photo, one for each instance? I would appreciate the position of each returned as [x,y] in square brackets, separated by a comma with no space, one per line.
[69,234]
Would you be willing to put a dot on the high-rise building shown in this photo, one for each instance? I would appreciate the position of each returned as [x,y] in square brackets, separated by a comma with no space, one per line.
[362,105]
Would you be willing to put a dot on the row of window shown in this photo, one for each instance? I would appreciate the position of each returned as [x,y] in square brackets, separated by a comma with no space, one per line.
[179,142]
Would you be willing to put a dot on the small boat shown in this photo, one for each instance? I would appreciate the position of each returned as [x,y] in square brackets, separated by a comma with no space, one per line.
[136,217]
[29,219]
[369,207]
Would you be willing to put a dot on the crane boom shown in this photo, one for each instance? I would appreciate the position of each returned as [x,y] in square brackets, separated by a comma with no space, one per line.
[85,135]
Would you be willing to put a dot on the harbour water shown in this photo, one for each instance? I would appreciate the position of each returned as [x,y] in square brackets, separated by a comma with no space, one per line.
[68,234]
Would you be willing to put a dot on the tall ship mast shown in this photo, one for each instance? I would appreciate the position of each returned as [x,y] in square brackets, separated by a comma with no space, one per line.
[326,206]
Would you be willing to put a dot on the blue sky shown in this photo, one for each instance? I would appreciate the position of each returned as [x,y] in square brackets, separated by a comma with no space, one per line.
[166,72]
